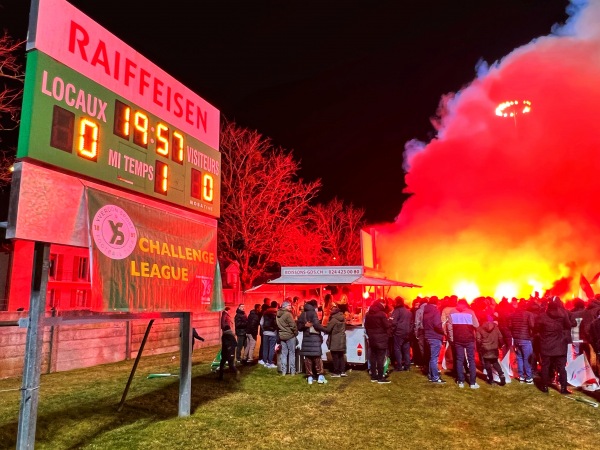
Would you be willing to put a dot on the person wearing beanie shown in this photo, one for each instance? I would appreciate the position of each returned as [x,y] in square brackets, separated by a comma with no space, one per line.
[228,346]
[287,337]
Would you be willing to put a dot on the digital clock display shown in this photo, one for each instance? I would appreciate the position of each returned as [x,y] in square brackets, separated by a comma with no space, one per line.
[71,122]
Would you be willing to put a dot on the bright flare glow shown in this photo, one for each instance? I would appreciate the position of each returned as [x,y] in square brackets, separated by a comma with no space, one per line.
[512,108]
[508,290]
[467,290]
[536,286]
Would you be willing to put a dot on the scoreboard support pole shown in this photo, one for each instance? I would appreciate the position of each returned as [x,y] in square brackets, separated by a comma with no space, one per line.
[33,348]
[185,368]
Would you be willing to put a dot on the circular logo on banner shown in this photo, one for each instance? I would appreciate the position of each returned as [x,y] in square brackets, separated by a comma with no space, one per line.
[114,232]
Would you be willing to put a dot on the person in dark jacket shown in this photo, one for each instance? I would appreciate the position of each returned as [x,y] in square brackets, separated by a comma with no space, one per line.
[551,326]
[587,317]
[503,312]
[336,340]
[251,334]
[378,329]
[311,328]
[521,324]
[268,324]
[434,334]
[241,322]
[402,326]
[489,341]
[263,308]
[228,346]
[594,336]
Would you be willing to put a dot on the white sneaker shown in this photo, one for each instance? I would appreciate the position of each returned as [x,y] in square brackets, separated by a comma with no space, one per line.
[475,386]
[321,380]
[261,362]
[461,385]
[310,380]
[271,366]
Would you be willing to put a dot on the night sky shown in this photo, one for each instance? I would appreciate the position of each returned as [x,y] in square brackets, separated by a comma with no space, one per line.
[343,85]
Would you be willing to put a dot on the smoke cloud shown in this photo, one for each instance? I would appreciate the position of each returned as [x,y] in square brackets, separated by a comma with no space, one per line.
[508,205]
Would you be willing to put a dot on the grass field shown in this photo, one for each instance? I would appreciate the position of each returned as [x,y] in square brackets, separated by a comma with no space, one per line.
[267,411]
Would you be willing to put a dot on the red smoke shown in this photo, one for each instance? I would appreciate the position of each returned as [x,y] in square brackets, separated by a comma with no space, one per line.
[506,206]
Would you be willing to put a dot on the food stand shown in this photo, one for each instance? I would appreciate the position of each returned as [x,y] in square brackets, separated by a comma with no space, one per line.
[354,286]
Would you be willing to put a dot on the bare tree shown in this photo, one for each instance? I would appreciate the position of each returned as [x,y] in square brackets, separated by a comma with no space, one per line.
[263,202]
[339,227]
[11,91]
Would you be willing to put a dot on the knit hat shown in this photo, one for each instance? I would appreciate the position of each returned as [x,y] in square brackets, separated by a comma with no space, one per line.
[286,304]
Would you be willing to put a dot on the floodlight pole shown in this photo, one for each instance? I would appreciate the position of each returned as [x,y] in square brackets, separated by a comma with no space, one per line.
[33,348]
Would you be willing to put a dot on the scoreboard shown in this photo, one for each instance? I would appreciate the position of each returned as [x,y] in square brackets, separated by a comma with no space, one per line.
[94,107]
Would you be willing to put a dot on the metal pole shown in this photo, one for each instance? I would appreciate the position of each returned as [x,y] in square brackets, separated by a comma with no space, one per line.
[33,348]
[185,368]
[135,364]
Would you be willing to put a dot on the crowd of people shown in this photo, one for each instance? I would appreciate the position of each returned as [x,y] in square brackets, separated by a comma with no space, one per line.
[538,330]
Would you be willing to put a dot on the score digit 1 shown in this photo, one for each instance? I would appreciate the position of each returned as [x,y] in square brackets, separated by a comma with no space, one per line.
[161,180]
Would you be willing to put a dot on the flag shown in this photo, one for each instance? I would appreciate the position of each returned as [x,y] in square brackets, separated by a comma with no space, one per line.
[217,299]
[579,372]
[505,364]
[585,287]
[447,356]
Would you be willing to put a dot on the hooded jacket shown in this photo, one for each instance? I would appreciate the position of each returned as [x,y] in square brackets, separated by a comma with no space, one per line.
[311,342]
[377,326]
[402,325]
[432,322]
[241,322]
[521,323]
[286,324]
[336,328]
[550,327]
[252,324]
[268,322]
[587,317]
[489,340]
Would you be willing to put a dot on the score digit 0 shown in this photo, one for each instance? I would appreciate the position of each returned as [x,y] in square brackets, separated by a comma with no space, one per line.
[202,186]
[63,133]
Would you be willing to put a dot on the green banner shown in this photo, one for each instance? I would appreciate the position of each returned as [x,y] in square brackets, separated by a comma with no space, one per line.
[148,259]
